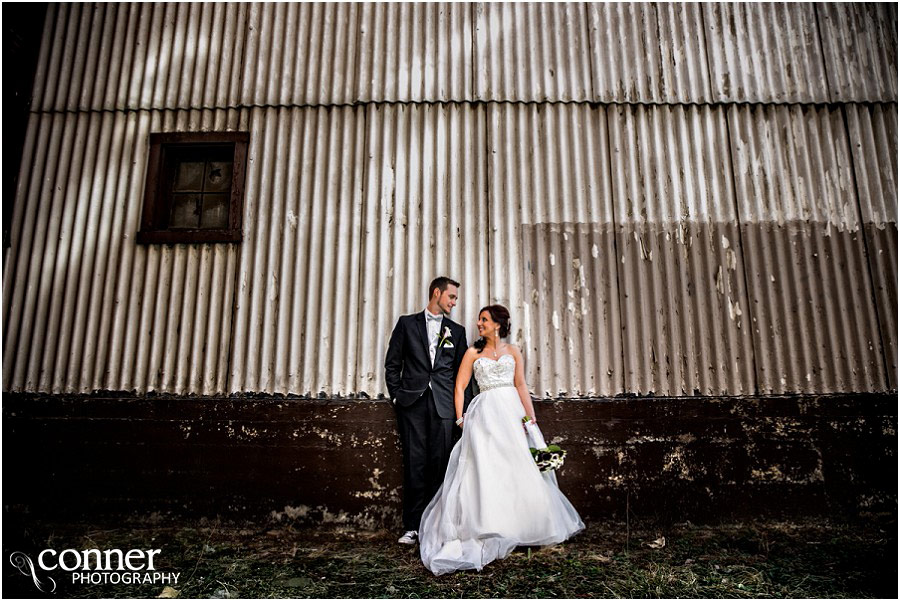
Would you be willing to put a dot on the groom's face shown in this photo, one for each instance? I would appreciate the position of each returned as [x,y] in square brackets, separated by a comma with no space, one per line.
[447,299]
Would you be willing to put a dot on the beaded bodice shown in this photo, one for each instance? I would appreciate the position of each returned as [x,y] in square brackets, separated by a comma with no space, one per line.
[494,374]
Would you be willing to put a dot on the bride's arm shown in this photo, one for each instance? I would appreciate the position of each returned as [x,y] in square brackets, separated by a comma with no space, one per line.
[519,381]
[462,380]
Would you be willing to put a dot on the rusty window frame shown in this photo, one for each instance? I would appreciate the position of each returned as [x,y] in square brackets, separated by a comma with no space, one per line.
[158,188]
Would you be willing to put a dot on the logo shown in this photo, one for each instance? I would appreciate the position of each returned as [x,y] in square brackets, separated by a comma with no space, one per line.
[92,566]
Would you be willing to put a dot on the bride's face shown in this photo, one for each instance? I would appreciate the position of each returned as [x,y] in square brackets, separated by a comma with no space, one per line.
[486,325]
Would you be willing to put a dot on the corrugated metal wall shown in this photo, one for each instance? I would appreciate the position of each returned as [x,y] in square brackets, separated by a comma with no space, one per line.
[660,192]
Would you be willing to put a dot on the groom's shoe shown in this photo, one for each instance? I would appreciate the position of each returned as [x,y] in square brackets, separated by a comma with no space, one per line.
[410,537]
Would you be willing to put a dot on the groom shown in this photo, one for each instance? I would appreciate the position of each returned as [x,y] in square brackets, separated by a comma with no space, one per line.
[420,367]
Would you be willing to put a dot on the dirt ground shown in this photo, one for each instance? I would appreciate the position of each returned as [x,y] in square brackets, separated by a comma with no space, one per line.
[280,559]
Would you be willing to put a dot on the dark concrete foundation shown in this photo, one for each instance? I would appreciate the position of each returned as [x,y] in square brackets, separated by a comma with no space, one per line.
[661,459]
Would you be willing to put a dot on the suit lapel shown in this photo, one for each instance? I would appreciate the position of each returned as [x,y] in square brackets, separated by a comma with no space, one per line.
[423,334]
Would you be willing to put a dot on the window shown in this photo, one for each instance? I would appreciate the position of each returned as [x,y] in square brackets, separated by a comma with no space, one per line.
[195,188]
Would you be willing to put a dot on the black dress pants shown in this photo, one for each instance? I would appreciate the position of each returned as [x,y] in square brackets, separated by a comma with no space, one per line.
[427,441]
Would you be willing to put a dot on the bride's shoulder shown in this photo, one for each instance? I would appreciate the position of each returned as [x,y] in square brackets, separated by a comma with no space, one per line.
[513,350]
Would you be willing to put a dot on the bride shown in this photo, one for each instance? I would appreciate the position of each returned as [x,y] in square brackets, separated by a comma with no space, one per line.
[493,497]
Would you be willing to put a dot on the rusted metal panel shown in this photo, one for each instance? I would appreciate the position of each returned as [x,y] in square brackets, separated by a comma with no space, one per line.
[426,214]
[114,56]
[331,259]
[551,245]
[301,53]
[218,55]
[84,307]
[873,135]
[214,55]
[764,52]
[583,219]
[859,41]
[296,326]
[532,52]
[684,305]
[648,53]
[812,315]
[415,52]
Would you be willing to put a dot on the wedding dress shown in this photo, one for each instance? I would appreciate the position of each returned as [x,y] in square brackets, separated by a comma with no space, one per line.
[493,497]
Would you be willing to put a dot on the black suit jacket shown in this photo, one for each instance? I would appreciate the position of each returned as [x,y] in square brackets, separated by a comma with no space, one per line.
[408,369]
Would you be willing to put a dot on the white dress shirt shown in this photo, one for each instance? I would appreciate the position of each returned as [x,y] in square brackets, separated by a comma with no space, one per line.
[433,326]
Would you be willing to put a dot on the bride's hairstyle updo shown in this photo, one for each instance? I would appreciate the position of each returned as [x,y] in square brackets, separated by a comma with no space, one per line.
[500,314]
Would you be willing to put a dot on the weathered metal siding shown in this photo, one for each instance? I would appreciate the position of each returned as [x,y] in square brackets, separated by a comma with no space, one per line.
[552,250]
[300,53]
[426,214]
[813,319]
[684,305]
[351,210]
[415,52]
[532,52]
[221,55]
[636,245]
[300,254]
[873,128]
[648,53]
[859,41]
[764,52]
[316,53]
[140,56]
[85,308]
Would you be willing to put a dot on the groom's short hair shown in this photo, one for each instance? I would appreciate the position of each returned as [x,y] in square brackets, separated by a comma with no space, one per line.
[441,284]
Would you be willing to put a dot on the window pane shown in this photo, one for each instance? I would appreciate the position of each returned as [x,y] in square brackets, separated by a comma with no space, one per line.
[184,211]
[189,176]
[218,177]
[215,211]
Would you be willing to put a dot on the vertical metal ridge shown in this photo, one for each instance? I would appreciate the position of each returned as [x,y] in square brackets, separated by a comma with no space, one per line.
[44,72]
[750,369]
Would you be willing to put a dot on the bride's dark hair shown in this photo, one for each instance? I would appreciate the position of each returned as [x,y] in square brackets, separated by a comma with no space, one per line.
[500,314]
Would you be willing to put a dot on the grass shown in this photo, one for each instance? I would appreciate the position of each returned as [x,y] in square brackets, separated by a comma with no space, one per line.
[278,560]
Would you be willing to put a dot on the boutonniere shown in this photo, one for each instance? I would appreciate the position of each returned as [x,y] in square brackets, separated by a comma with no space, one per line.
[444,341]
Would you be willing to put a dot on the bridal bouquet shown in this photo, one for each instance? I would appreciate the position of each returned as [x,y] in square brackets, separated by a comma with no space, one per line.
[550,458]
[547,457]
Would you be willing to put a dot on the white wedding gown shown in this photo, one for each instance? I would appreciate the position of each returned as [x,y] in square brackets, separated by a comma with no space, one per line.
[493,497]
